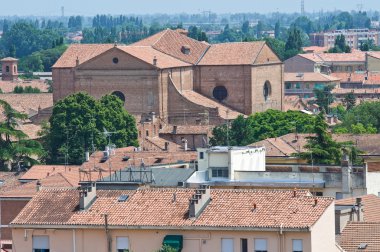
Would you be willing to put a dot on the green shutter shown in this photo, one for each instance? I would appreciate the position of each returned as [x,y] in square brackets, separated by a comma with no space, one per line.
[174,241]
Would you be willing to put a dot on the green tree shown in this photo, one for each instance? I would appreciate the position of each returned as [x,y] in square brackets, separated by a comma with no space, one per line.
[277,30]
[349,101]
[360,129]
[167,248]
[324,97]
[245,28]
[340,45]
[293,44]
[15,147]
[78,122]
[272,123]
[321,148]
[259,29]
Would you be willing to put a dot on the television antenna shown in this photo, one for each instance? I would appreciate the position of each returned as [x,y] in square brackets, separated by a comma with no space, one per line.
[108,134]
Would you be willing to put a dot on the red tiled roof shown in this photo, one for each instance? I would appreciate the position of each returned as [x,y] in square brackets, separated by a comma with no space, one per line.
[28,103]
[311,77]
[276,147]
[83,52]
[356,233]
[8,86]
[171,42]
[371,206]
[224,112]
[356,56]
[186,129]
[239,53]
[315,49]
[154,208]
[37,172]
[147,54]
[372,78]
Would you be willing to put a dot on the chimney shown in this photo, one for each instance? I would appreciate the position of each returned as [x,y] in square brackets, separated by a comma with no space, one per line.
[175,129]
[346,174]
[38,186]
[359,207]
[166,148]
[87,156]
[199,201]
[184,141]
[154,61]
[77,61]
[87,195]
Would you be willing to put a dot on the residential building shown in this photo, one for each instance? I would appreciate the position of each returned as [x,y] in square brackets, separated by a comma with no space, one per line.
[303,84]
[212,220]
[175,77]
[218,167]
[360,80]
[326,62]
[354,37]
[373,61]
[358,223]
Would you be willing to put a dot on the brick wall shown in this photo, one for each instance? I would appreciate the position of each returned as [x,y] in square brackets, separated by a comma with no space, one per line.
[9,208]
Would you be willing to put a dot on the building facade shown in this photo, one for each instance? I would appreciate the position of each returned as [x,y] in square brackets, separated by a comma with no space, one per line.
[175,77]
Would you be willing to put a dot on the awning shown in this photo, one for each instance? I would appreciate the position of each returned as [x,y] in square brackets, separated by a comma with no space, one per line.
[174,241]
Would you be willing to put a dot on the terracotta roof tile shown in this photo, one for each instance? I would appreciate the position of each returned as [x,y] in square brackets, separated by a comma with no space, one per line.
[371,206]
[185,129]
[356,233]
[147,54]
[8,86]
[155,208]
[356,56]
[372,77]
[238,53]
[37,172]
[312,77]
[224,112]
[276,147]
[83,52]
[171,43]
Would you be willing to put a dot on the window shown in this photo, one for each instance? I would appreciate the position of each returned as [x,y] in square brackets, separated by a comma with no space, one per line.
[119,95]
[220,172]
[220,93]
[122,244]
[147,133]
[201,155]
[267,90]
[261,245]
[244,245]
[338,195]
[41,243]
[288,85]
[298,86]
[15,69]
[7,69]
[115,60]
[227,245]
[307,86]
[297,245]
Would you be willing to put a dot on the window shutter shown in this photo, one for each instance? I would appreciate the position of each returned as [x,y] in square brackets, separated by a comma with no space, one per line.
[122,243]
[227,245]
[261,244]
[40,242]
[297,245]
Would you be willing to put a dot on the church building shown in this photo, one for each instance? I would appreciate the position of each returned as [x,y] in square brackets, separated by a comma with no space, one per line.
[174,77]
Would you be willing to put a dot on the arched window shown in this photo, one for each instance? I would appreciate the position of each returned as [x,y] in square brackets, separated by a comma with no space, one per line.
[220,93]
[267,90]
[7,69]
[120,95]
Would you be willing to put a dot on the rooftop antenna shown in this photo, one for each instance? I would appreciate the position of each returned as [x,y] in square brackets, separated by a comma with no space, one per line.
[360,6]
[302,7]
[108,134]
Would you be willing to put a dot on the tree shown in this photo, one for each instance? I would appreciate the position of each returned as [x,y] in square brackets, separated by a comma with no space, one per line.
[349,101]
[197,33]
[340,45]
[15,147]
[245,28]
[293,44]
[322,149]
[167,248]
[272,123]
[78,122]
[277,30]
[324,97]
[259,29]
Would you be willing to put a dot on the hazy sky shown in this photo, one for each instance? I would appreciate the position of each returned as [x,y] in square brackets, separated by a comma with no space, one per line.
[91,7]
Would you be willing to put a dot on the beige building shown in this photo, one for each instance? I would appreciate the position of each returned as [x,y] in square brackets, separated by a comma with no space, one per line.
[191,220]
[175,77]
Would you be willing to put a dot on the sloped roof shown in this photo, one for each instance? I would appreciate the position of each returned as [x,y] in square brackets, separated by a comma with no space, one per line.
[147,54]
[171,42]
[37,172]
[8,59]
[83,52]
[276,147]
[356,56]
[224,112]
[356,233]
[238,53]
[8,86]
[372,77]
[311,77]
[154,208]
[371,206]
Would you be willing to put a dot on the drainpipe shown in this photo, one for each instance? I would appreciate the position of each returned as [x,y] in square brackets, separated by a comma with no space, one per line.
[74,241]
[108,236]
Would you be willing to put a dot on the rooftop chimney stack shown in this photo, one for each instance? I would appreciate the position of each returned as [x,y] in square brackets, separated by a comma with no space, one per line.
[154,61]
[87,195]
[199,201]
[77,61]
